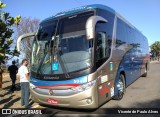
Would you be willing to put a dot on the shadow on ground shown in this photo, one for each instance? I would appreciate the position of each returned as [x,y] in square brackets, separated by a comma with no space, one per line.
[10,103]
[3,101]
[7,96]
[6,81]
[154,104]
[51,111]
[100,112]
[17,87]
[7,92]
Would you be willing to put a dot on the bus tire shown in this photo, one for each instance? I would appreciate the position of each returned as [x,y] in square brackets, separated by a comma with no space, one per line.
[145,73]
[121,87]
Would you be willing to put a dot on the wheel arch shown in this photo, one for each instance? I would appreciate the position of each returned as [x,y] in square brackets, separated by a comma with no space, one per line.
[123,73]
[120,71]
[116,94]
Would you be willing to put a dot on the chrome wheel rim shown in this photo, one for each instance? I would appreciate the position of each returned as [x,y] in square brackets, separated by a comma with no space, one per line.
[120,86]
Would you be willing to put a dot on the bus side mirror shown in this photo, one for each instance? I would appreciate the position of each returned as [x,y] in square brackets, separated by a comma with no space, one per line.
[90,26]
[20,38]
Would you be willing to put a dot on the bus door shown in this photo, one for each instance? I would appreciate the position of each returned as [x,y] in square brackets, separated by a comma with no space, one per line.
[102,54]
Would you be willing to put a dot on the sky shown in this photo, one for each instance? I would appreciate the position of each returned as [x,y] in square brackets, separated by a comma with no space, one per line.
[143,14]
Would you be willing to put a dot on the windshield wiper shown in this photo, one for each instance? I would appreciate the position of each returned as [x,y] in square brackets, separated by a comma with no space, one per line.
[56,51]
[58,58]
[41,63]
[63,66]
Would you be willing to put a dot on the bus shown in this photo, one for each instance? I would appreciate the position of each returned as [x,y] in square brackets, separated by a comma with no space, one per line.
[83,57]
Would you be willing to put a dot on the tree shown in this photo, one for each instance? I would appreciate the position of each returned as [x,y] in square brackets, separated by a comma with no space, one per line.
[6,31]
[27,25]
[155,48]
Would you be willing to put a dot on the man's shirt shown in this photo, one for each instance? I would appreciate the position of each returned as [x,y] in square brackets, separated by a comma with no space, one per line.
[13,69]
[21,72]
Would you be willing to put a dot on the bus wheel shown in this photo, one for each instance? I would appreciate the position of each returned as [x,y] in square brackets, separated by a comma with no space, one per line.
[145,72]
[121,88]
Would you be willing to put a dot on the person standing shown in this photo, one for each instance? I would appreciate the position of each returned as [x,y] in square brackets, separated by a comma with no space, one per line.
[13,69]
[23,76]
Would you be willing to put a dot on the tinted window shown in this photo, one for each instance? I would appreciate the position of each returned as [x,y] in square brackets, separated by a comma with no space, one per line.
[129,35]
[75,23]
[72,44]
[102,46]
[110,18]
[46,30]
[121,36]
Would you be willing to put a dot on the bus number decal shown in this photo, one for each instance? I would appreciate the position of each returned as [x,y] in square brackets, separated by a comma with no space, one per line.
[79,81]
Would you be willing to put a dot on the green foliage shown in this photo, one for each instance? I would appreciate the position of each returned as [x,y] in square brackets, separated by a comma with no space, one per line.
[6,31]
[155,48]
[2,5]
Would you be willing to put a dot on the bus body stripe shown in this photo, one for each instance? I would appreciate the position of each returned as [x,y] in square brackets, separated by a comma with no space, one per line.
[48,87]
[68,82]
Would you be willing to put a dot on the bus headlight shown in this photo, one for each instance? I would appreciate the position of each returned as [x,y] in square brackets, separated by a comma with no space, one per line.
[32,86]
[84,87]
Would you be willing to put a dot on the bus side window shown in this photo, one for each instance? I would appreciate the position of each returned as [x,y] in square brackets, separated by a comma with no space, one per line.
[102,46]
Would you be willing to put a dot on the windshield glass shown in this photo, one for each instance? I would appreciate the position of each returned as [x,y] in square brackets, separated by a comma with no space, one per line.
[41,44]
[63,49]
[73,54]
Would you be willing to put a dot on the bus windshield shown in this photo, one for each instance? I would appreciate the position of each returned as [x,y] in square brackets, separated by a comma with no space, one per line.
[41,44]
[63,44]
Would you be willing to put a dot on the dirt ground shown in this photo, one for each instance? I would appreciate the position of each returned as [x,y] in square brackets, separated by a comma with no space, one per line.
[9,99]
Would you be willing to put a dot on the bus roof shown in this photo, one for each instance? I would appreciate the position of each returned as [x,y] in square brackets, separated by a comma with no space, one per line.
[90,7]
[79,9]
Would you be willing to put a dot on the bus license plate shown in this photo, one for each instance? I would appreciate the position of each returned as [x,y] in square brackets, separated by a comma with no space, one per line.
[52,101]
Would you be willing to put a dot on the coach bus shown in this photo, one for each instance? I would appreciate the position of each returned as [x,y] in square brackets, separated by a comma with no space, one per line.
[85,56]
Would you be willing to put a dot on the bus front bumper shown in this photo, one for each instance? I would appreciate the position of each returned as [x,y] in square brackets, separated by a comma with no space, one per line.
[87,99]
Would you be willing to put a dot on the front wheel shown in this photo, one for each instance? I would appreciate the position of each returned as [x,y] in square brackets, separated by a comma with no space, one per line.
[121,88]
